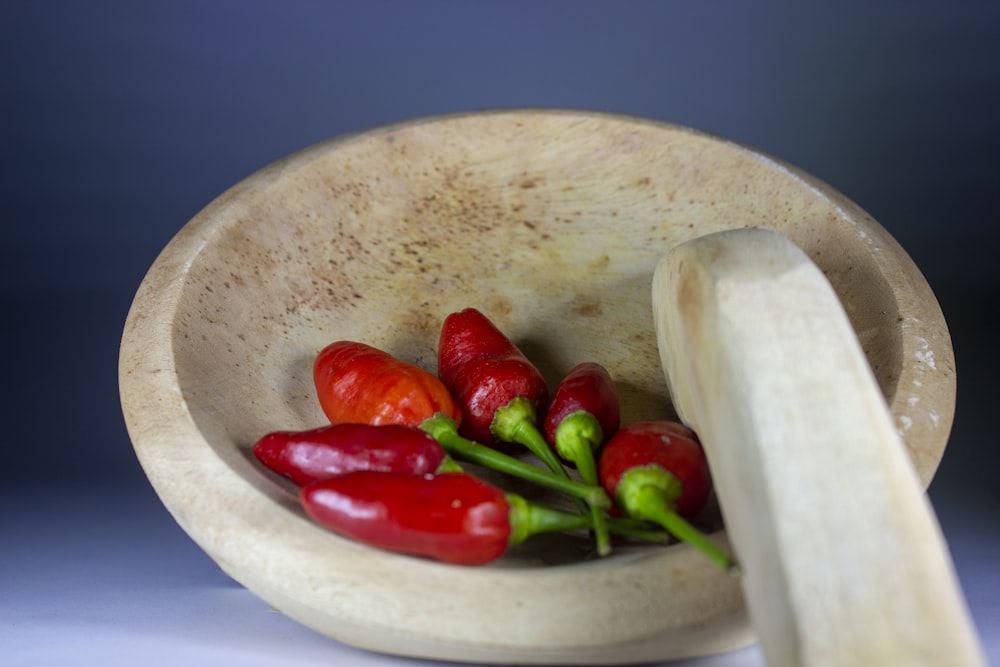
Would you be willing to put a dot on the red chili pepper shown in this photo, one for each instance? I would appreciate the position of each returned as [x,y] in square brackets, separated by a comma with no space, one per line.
[320,453]
[451,517]
[584,413]
[657,471]
[500,391]
[358,383]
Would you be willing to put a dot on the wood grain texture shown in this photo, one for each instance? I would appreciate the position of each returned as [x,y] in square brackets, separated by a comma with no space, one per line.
[842,558]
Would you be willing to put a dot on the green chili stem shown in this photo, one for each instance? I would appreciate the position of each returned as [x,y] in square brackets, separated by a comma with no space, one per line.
[638,530]
[518,422]
[528,518]
[445,431]
[576,438]
[602,538]
[652,503]
[448,464]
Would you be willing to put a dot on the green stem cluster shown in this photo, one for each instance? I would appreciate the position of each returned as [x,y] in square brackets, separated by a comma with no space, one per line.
[646,494]
[518,422]
[528,518]
[445,431]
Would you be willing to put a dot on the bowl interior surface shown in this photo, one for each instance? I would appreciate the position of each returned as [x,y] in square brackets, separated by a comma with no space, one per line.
[549,222]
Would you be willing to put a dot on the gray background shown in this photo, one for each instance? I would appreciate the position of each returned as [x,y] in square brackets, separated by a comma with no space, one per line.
[120,120]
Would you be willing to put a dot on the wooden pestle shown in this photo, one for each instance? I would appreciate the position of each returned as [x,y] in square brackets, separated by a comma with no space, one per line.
[842,558]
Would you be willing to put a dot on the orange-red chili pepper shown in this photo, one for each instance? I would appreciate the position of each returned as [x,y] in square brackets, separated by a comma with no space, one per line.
[358,383]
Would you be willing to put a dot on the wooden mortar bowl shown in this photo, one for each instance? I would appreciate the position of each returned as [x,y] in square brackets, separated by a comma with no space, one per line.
[551,223]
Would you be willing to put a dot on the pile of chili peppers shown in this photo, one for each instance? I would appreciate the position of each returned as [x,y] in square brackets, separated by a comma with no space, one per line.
[387,471]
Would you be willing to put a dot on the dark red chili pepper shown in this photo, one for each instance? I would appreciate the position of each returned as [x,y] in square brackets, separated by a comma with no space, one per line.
[584,413]
[358,383]
[451,517]
[657,471]
[307,456]
[500,391]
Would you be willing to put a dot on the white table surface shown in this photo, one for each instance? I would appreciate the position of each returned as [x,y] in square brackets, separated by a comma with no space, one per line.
[109,579]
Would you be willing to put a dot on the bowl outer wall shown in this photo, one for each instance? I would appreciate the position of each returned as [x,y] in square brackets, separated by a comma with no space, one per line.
[551,221]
